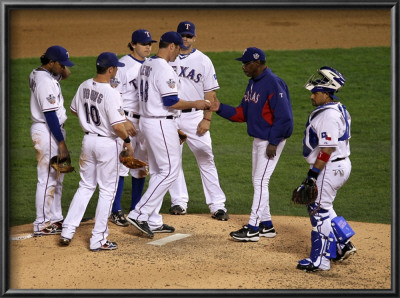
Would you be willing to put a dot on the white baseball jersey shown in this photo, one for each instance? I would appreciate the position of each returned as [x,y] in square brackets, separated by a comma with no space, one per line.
[199,72]
[99,107]
[197,76]
[157,79]
[164,82]
[127,84]
[327,126]
[46,96]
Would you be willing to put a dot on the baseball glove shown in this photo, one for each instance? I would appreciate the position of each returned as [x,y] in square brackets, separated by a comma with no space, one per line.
[129,161]
[182,136]
[63,165]
[306,193]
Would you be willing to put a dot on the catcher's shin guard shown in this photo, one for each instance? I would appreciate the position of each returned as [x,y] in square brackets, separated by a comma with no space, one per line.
[341,229]
[323,243]
[330,251]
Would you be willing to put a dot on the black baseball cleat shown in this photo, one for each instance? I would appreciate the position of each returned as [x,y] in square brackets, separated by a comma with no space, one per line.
[119,218]
[245,234]
[267,232]
[164,229]
[177,210]
[348,250]
[64,241]
[142,226]
[307,266]
[220,215]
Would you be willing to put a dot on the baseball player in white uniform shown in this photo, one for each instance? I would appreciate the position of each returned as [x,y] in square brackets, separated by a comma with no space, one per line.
[159,104]
[101,116]
[198,80]
[126,83]
[326,148]
[48,136]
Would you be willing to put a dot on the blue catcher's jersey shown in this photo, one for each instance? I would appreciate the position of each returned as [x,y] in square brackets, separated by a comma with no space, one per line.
[327,126]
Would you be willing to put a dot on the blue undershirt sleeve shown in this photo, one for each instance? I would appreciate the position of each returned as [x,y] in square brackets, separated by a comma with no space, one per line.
[170,100]
[54,125]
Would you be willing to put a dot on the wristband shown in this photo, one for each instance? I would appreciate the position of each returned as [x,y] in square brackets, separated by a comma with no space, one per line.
[323,156]
[207,119]
[313,174]
[127,140]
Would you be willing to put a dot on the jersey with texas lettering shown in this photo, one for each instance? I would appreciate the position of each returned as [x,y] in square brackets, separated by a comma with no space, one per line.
[266,108]
[196,73]
[327,126]
[99,107]
[126,82]
[46,95]
[157,79]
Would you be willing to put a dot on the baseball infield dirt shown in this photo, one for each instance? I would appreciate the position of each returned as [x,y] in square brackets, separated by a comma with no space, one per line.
[207,258]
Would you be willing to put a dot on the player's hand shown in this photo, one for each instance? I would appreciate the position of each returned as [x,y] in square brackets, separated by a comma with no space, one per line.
[202,104]
[203,127]
[65,73]
[271,151]
[128,147]
[63,152]
[130,128]
[215,105]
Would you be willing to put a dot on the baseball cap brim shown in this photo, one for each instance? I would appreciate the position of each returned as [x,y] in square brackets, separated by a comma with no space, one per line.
[144,41]
[241,59]
[68,63]
[187,33]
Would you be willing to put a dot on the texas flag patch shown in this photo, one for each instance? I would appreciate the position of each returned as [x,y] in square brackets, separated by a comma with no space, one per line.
[326,136]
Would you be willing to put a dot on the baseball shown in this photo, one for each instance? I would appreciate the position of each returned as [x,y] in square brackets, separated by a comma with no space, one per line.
[207,101]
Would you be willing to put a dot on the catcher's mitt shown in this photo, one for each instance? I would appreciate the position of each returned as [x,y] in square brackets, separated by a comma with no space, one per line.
[306,193]
[182,136]
[63,165]
[129,161]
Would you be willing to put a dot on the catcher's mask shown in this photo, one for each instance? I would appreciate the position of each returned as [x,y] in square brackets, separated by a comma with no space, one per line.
[327,79]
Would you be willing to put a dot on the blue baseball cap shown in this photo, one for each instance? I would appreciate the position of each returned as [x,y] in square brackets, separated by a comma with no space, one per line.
[173,37]
[58,54]
[108,59]
[186,27]
[142,36]
[252,54]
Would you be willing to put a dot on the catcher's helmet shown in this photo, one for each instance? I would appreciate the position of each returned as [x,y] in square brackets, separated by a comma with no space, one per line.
[327,79]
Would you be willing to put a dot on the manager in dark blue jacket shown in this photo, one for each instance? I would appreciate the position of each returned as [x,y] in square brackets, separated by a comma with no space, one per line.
[267,110]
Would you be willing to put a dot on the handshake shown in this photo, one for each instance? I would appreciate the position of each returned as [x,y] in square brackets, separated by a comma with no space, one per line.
[207,105]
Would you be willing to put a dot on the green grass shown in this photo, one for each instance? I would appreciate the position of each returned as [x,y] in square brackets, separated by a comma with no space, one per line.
[365,197]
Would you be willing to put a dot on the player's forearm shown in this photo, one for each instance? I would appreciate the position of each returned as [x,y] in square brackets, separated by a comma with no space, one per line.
[211,97]
[183,105]
[321,161]
[197,104]
[207,115]
[120,131]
